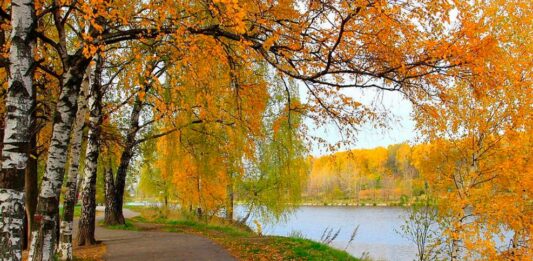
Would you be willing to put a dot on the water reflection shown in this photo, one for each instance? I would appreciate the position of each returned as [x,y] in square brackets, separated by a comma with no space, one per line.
[376,234]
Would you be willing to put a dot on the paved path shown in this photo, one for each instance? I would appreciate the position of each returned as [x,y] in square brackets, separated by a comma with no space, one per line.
[154,245]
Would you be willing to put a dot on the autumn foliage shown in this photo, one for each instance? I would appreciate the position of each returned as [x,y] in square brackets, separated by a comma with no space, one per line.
[213,102]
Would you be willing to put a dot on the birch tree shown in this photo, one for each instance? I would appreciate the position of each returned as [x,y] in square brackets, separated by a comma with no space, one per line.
[19,104]
[65,245]
[88,186]
[44,237]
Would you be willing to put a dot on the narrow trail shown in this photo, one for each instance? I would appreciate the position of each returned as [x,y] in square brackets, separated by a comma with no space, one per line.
[125,245]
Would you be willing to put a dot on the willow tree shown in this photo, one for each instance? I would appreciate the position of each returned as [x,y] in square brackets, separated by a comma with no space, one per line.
[273,179]
[152,68]
[152,183]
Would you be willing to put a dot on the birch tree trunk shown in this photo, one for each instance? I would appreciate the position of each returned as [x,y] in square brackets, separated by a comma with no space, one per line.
[31,188]
[64,250]
[88,186]
[5,65]
[44,238]
[109,196]
[19,106]
[78,186]
[120,183]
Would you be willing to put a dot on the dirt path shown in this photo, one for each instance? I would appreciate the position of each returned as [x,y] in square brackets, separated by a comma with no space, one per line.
[153,245]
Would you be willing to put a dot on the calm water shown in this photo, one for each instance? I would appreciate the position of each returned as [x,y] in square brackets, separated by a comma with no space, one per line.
[376,234]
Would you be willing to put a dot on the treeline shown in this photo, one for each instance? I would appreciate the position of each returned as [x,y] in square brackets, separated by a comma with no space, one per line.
[365,177]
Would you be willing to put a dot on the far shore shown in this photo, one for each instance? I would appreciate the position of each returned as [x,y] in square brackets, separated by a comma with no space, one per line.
[303,204]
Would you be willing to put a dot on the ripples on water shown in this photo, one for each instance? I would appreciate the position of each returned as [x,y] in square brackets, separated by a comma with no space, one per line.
[376,234]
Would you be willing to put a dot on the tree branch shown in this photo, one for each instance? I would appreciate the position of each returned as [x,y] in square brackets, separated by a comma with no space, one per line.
[159,135]
[4,62]
[5,15]
[47,40]
[46,69]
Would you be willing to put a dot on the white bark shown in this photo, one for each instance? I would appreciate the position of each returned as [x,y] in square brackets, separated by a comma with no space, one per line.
[65,243]
[12,205]
[88,187]
[64,250]
[46,216]
[19,106]
[57,154]
[87,219]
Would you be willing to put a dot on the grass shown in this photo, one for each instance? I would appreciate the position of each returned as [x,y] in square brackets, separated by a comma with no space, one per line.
[239,240]
[128,226]
[304,249]
[77,210]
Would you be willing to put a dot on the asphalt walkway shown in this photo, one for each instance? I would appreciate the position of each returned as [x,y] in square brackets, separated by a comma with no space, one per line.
[125,245]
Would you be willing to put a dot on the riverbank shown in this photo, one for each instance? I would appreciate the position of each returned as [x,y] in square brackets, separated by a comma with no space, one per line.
[240,241]
[306,203]
[376,236]
[351,204]
[402,202]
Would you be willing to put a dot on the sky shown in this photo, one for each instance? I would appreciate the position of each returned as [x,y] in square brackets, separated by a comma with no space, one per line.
[401,130]
[402,127]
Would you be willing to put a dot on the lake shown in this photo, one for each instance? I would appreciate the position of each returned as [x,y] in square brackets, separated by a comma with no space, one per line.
[376,235]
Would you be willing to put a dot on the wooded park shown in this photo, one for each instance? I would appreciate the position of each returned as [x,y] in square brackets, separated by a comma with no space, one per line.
[213,110]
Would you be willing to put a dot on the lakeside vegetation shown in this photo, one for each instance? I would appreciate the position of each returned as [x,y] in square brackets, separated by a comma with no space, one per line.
[241,241]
